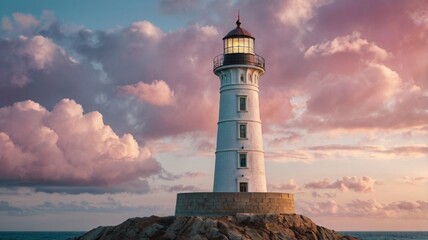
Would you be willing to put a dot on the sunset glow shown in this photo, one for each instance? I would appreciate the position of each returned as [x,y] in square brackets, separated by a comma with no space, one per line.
[108,109]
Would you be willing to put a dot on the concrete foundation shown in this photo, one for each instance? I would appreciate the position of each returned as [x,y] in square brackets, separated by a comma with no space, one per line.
[231,203]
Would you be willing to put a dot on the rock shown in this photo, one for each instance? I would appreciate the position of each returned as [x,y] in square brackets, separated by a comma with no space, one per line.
[152,230]
[239,227]
[197,224]
[93,234]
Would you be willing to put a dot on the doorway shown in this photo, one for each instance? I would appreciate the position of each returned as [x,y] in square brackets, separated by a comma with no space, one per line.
[243,187]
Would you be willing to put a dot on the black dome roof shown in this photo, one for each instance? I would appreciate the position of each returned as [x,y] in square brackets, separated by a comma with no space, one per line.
[238,32]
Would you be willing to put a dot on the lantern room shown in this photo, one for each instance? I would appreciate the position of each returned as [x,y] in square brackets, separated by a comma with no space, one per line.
[238,40]
[238,48]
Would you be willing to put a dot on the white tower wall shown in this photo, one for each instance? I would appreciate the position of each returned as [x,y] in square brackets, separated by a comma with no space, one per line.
[239,81]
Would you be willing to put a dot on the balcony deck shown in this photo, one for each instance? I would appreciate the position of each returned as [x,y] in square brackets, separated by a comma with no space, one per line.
[238,58]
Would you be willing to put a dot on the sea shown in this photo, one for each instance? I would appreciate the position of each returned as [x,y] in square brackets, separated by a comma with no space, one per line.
[388,235]
[70,235]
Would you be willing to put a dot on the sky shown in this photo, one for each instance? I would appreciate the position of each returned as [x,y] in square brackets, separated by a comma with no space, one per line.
[109,109]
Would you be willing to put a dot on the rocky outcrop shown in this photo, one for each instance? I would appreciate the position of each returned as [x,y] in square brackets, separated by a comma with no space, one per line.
[239,226]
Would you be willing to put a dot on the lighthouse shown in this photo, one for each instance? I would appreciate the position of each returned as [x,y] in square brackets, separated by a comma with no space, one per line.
[239,162]
[239,175]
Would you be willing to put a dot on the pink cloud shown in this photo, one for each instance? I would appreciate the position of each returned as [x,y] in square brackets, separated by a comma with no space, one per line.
[322,195]
[329,207]
[346,61]
[146,29]
[376,85]
[324,152]
[420,17]
[206,147]
[363,184]
[25,20]
[25,55]
[414,180]
[6,24]
[172,177]
[353,79]
[157,93]
[372,207]
[129,58]
[276,108]
[66,147]
[296,12]
[289,156]
[339,147]
[291,185]
[40,51]
[416,150]
[181,188]
[366,208]
[289,137]
[349,43]
[411,150]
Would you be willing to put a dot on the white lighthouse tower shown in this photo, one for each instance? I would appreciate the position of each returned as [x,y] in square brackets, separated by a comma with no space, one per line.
[239,178]
[239,165]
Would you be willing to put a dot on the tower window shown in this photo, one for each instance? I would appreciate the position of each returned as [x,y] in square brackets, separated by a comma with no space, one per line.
[242,160]
[242,103]
[243,187]
[242,78]
[242,130]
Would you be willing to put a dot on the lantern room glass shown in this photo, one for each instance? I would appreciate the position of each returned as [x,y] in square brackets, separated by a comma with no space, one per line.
[239,45]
